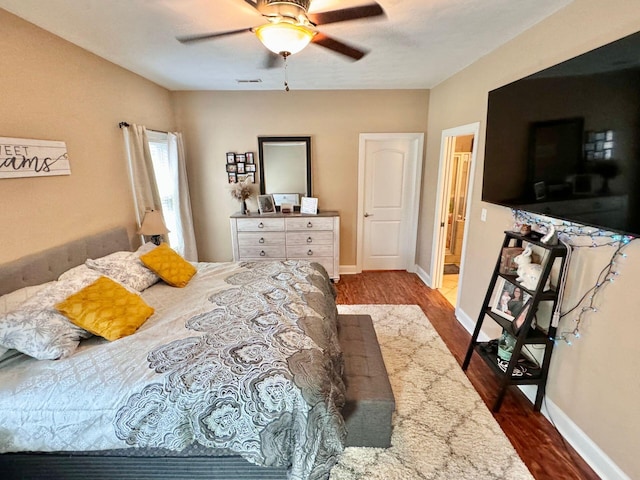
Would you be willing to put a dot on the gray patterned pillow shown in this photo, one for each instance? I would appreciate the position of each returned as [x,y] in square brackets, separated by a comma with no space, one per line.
[126,268]
[36,328]
[11,301]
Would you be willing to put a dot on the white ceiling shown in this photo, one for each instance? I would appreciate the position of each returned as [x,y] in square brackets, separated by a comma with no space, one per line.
[419,44]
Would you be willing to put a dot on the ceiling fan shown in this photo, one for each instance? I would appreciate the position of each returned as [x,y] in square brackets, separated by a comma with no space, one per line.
[290,28]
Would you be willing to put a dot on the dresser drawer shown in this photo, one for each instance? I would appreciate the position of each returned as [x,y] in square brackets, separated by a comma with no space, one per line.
[309,223]
[260,224]
[309,238]
[309,251]
[271,252]
[246,239]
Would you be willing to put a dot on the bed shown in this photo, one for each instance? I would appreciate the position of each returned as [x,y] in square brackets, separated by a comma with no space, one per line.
[236,375]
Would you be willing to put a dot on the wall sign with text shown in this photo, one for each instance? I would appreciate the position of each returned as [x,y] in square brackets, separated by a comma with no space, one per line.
[22,157]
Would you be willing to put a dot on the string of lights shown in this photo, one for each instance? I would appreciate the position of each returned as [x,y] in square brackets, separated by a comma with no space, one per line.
[576,236]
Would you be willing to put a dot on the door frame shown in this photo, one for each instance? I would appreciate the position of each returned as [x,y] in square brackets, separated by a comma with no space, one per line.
[444,186]
[414,198]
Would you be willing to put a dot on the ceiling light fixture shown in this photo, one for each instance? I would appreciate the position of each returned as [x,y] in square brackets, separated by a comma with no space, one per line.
[284,38]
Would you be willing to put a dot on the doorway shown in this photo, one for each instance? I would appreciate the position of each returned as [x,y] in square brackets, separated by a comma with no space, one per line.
[455,181]
[389,178]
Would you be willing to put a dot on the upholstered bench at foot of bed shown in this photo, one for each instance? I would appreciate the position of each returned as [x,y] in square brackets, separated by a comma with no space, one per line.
[369,400]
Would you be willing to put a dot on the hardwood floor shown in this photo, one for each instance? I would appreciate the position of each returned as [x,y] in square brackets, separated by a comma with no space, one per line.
[537,442]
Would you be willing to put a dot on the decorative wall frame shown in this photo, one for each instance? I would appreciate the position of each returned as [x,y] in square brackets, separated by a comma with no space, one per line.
[22,157]
[240,167]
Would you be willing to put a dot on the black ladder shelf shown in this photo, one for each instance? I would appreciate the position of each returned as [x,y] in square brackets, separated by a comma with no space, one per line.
[527,334]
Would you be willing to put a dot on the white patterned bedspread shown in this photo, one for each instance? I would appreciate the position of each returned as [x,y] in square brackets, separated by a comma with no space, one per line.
[245,357]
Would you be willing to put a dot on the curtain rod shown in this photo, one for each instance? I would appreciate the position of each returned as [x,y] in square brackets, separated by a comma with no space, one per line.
[126,124]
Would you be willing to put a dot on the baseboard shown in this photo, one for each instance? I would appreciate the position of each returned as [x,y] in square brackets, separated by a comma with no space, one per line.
[348,269]
[586,448]
[424,276]
[469,324]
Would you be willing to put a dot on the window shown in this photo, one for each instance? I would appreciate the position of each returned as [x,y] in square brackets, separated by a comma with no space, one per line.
[166,174]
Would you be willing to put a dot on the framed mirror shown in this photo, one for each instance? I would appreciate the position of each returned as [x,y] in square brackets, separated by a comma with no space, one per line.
[285,168]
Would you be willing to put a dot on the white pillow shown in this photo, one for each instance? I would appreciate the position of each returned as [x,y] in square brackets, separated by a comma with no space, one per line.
[11,300]
[36,328]
[126,268]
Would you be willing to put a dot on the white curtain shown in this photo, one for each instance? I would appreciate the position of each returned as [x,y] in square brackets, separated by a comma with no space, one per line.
[184,219]
[170,174]
[143,180]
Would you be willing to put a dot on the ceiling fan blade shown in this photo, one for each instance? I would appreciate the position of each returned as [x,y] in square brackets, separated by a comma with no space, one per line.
[346,14]
[271,60]
[209,36]
[338,46]
[252,3]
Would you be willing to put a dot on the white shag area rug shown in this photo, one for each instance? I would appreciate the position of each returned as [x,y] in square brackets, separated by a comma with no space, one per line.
[441,428]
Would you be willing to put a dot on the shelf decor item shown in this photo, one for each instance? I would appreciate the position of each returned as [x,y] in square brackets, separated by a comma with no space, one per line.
[506,344]
[507,264]
[508,299]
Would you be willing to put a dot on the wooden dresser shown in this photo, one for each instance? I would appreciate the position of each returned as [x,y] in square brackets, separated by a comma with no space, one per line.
[290,236]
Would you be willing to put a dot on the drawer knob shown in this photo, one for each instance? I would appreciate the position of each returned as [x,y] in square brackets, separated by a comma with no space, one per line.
[261,225]
[309,240]
[309,252]
[261,240]
[262,253]
[309,225]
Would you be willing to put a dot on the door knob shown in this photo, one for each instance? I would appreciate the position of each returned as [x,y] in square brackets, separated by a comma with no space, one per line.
[368,215]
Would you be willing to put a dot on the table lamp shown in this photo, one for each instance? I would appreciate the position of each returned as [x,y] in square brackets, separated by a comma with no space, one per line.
[153,226]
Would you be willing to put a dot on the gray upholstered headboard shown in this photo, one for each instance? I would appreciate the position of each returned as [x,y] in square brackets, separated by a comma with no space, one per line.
[49,264]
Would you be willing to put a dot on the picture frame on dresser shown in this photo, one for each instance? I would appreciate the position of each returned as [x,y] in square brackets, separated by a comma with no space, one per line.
[309,205]
[281,198]
[266,204]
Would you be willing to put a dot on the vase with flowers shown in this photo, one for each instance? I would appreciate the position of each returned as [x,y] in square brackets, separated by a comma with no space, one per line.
[242,191]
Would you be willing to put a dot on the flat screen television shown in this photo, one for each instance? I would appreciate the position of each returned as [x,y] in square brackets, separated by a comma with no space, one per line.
[565,142]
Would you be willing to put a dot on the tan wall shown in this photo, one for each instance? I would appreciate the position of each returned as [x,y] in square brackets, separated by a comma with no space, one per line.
[53,90]
[217,122]
[593,381]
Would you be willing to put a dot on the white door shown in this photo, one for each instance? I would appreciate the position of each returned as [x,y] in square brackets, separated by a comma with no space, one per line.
[390,173]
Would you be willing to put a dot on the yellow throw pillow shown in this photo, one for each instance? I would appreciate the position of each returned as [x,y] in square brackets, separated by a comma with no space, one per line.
[107,309]
[168,265]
